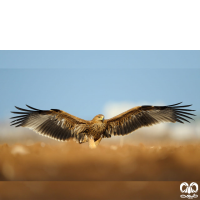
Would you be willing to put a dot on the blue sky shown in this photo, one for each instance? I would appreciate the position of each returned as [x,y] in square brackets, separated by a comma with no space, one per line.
[100,59]
[83,82]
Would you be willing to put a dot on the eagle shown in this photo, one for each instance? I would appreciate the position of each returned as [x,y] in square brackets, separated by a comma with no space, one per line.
[62,126]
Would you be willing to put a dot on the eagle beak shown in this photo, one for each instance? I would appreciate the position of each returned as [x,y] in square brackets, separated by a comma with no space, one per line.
[102,118]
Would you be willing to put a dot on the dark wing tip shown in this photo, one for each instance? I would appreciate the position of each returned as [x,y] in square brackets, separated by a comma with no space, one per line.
[178,120]
[21,113]
[181,113]
[175,104]
[32,107]
[21,109]
[19,119]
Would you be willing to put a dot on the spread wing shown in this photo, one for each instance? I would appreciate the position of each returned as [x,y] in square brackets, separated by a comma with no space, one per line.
[140,116]
[53,123]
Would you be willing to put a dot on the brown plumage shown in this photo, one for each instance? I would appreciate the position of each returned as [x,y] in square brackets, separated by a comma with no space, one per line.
[60,125]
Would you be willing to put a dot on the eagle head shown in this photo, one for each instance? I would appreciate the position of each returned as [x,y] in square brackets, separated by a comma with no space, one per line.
[98,118]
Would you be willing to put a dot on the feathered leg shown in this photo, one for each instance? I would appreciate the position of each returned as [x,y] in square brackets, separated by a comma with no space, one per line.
[98,141]
[92,144]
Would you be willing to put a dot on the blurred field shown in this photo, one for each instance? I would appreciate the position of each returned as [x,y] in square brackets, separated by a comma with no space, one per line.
[108,163]
[94,190]
[69,161]
[151,163]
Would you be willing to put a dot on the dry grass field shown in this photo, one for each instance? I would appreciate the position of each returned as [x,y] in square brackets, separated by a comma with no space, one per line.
[73,162]
[116,167]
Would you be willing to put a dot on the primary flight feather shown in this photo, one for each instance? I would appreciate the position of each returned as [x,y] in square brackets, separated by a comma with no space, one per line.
[61,125]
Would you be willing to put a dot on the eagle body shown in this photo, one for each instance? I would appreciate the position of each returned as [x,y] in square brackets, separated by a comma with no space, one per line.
[97,130]
[63,126]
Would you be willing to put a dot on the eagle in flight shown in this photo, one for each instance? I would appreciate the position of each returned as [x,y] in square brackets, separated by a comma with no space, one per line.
[62,126]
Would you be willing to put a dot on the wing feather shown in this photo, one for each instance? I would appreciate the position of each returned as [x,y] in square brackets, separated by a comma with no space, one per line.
[141,116]
[32,108]
[53,123]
